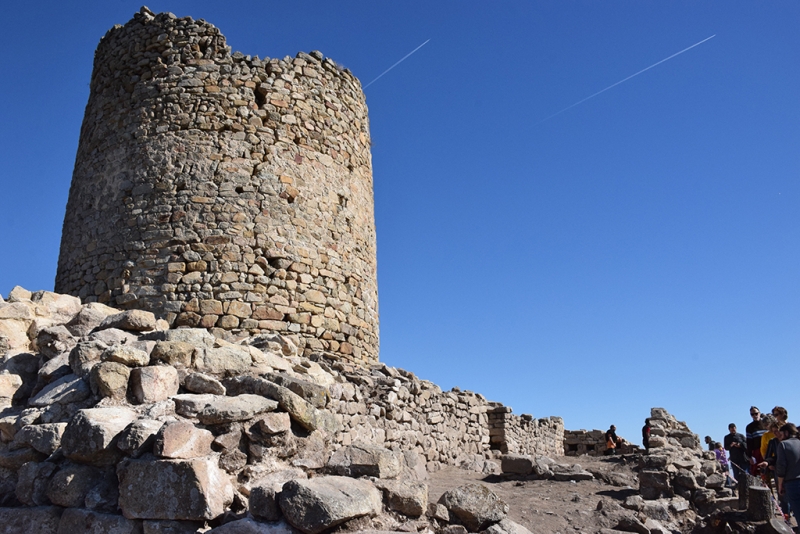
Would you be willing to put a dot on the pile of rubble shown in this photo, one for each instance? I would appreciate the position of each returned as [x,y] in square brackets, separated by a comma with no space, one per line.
[112,422]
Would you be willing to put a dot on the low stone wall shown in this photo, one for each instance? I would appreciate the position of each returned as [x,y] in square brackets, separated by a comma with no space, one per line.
[580,442]
[522,434]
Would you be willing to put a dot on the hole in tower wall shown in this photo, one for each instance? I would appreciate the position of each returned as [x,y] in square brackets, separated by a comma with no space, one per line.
[261,97]
[240,189]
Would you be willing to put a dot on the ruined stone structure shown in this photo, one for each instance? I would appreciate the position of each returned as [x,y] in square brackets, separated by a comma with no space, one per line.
[224,191]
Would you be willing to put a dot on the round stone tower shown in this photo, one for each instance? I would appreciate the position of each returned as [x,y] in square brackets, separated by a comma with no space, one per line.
[224,191]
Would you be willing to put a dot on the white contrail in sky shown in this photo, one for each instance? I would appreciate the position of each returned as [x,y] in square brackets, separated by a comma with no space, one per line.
[623,80]
[396,64]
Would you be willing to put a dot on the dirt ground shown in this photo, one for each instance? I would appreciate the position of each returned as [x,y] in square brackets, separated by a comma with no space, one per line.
[549,506]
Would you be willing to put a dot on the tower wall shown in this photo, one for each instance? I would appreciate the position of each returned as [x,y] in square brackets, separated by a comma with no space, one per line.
[224,191]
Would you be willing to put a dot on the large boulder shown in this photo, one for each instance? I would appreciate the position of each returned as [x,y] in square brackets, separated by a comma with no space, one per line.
[476,506]
[90,436]
[194,489]
[131,320]
[303,412]
[38,520]
[65,390]
[153,383]
[364,459]
[318,504]
[217,409]
[181,439]
[71,484]
[45,438]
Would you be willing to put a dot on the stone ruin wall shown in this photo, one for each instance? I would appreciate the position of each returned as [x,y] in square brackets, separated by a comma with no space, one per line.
[459,428]
[523,434]
[224,191]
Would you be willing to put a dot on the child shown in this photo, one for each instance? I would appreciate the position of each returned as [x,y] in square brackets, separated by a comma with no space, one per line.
[722,458]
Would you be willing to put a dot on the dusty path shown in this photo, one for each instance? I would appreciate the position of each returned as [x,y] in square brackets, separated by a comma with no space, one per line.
[549,506]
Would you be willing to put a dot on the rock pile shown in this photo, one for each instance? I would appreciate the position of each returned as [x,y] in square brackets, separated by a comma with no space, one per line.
[679,470]
[113,422]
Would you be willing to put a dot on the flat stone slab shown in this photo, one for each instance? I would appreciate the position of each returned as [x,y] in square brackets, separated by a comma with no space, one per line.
[65,390]
[218,409]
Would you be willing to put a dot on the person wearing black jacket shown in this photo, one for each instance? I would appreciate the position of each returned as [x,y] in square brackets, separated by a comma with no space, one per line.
[736,445]
[753,432]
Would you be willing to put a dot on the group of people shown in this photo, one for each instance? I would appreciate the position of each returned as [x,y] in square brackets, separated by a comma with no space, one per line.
[770,449]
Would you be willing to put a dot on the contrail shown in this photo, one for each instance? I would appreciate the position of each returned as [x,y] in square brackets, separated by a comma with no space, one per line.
[623,80]
[396,64]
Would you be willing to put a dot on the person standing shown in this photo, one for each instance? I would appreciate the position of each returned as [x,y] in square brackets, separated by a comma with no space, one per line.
[736,445]
[753,432]
[646,435]
[787,468]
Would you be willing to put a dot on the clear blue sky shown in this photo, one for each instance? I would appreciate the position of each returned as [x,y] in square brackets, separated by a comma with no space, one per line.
[637,250]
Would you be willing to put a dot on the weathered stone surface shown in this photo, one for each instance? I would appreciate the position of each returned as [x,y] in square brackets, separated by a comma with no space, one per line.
[181,439]
[196,337]
[200,383]
[9,384]
[570,472]
[274,423]
[110,379]
[90,435]
[138,437]
[88,318]
[173,489]
[37,520]
[178,354]
[75,520]
[70,485]
[318,504]
[132,320]
[363,459]
[475,506]
[33,479]
[315,394]
[264,492]
[406,497]
[507,526]
[54,340]
[52,370]
[45,438]
[112,336]
[216,409]
[248,526]
[517,464]
[301,410]
[86,355]
[172,527]
[15,459]
[65,390]
[228,360]
[153,383]
[126,355]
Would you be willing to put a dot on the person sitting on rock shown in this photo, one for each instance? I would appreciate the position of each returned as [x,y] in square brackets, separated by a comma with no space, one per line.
[612,440]
[710,442]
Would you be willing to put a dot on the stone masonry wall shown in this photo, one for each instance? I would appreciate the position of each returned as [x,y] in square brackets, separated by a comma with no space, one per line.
[224,191]
[522,434]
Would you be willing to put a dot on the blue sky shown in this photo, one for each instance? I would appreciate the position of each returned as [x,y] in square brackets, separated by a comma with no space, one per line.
[637,250]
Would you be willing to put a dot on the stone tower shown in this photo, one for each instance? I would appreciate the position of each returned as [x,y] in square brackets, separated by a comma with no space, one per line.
[224,191]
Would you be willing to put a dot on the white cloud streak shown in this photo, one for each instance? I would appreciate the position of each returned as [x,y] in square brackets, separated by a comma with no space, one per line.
[579,102]
[396,64]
